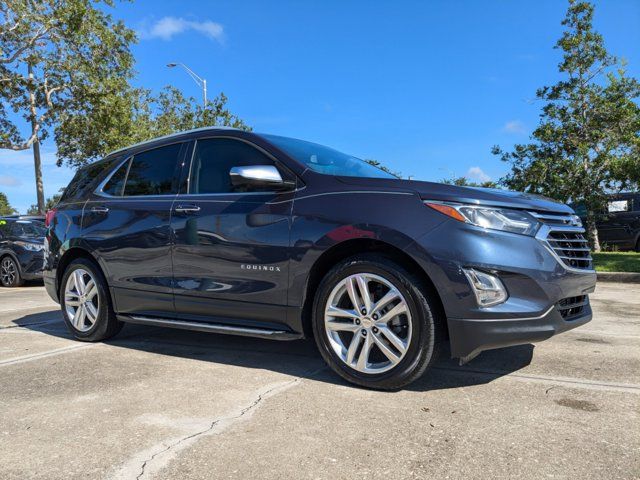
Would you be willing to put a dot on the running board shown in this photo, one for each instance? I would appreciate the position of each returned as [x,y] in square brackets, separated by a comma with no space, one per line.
[212,327]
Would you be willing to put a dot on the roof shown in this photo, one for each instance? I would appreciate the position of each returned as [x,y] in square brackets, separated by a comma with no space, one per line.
[171,135]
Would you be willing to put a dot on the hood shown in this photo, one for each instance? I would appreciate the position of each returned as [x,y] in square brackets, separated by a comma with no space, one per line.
[473,195]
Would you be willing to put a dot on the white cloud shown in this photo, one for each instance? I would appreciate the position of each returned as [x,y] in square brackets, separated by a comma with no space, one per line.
[168,27]
[514,126]
[9,181]
[477,174]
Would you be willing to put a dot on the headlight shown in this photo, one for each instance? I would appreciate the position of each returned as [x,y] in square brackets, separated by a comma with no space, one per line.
[507,220]
[32,247]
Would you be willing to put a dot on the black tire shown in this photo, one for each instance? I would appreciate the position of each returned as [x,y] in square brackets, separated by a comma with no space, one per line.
[106,324]
[428,332]
[10,275]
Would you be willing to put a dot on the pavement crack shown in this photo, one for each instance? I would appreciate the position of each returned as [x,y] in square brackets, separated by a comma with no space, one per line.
[221,422]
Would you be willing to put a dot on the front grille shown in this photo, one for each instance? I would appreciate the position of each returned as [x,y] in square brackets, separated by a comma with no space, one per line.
[572,307]
[565,236]
[571,247]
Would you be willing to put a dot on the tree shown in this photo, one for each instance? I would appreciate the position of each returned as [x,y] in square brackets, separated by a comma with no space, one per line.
[140,116]
[465,182]
[5,207]
[57,59]
[587,143]
[376,163]
[49,204]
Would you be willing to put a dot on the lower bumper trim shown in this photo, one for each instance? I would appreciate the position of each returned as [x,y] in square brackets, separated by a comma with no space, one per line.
[469,337]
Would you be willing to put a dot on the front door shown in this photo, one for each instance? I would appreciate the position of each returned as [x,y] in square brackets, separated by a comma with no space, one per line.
[231,252]
[127,226]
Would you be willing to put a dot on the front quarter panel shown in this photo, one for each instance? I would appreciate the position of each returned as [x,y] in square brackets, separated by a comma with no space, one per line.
[324,219]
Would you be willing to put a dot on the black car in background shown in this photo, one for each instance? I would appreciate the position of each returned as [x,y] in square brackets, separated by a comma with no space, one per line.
[21,251]
[619,226]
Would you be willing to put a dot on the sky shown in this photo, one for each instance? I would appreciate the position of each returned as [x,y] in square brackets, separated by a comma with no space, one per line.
[425,87]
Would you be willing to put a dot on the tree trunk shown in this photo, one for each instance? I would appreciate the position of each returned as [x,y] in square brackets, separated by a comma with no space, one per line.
[37,162]
[592,232]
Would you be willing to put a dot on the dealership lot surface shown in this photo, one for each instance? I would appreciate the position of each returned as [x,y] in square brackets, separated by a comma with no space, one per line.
[157,403]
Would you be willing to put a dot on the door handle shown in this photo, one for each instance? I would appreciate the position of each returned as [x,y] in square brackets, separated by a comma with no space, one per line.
[187,208]
[100,209]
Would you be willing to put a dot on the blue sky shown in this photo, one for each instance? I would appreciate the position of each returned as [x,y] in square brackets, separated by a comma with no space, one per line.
[424,87]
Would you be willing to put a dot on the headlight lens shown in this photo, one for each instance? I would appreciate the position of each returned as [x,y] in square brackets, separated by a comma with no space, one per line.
[504,219]
[32,247]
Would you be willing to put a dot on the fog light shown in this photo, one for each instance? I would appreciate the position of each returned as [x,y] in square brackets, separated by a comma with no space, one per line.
[488,288]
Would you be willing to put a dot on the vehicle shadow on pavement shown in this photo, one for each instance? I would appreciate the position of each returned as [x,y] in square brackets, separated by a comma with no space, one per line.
[298,358]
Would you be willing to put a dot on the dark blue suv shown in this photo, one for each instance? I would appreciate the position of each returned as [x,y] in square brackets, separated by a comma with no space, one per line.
[226,231]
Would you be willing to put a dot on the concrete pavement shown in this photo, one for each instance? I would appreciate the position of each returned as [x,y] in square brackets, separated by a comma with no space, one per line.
[156,403]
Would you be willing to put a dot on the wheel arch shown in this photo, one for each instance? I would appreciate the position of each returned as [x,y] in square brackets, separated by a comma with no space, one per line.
[352,247]
[69,256]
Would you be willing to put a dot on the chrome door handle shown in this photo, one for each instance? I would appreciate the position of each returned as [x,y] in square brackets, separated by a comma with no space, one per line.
[100,209]
[187,209]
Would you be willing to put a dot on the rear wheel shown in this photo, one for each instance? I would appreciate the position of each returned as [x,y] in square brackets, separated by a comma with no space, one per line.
[86,303]
[10,273]
[374,323]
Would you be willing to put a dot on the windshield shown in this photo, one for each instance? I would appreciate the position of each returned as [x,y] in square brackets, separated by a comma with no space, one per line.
[326,160]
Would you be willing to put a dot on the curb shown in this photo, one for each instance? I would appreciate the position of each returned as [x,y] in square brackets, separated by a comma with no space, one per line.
[621,277]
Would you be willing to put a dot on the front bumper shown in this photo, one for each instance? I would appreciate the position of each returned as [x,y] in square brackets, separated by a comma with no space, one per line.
[535,280]
[472,336]
[31,264]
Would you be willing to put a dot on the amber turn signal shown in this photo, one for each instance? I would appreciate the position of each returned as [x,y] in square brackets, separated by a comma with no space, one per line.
[447,210]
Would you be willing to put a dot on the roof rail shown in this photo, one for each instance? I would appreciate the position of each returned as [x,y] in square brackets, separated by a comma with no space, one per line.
[171,135]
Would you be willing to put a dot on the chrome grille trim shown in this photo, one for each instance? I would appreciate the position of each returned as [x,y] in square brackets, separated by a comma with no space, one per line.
[563,236]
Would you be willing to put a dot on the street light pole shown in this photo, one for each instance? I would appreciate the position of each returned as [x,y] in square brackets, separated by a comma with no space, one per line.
[201,82]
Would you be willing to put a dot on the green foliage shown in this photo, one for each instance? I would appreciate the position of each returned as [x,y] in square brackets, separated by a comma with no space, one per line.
[76,53]
[134,116]
[617,261]
[465,182]
[588,141]
[376,163]
[49,204]
[5,207]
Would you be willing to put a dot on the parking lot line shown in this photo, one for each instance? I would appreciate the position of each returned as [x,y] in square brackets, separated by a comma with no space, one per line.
[50,353]
[568,381]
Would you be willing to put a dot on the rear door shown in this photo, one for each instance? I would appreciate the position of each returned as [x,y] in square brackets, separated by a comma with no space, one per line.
[231,253]
[126,224]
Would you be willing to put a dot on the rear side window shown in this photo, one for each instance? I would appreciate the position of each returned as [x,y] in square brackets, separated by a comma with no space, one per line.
[215,157]
[115,185]
[86,177]
[154,172]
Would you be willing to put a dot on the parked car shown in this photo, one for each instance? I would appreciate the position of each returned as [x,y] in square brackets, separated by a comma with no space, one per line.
[21,251]
[619,226]
[226,231]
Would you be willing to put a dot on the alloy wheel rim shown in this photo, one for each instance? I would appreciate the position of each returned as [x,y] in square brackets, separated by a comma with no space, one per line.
[368,323]
[81,300]
[8,271]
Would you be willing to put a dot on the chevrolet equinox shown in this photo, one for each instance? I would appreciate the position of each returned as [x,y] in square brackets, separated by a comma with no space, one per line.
[226,231]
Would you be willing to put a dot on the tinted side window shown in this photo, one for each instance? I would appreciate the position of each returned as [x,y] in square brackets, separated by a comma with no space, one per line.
[214,158]
[115,185]
[153,172]
[86,177]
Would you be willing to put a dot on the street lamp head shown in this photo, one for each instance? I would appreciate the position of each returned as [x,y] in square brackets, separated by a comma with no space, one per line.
[170,65]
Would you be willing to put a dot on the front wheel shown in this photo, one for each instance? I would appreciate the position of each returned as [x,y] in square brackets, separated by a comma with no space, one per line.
[10,273]
[86,303]
[375,323]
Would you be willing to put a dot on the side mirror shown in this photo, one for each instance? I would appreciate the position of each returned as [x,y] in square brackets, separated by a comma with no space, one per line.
[259,176]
